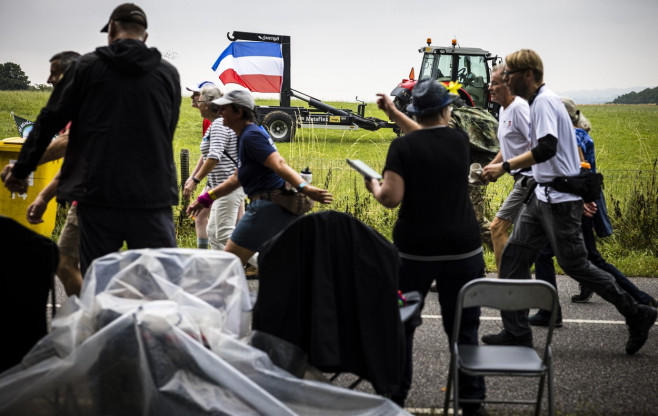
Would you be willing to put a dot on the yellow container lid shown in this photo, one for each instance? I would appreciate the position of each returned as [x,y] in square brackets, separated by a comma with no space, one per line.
[11,144]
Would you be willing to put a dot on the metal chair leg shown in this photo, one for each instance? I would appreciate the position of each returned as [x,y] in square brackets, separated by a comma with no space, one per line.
[551,398]
[539,395]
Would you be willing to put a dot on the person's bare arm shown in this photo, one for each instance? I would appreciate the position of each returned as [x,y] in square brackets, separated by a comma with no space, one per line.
[497,159]
[190,184]
[390,191]
[38,206]
[277,163]
[207,167]
[404,122]
[56,149]
[493,171]
[223,189]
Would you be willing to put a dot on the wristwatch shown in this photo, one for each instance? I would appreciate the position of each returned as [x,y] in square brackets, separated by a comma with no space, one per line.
[507,167]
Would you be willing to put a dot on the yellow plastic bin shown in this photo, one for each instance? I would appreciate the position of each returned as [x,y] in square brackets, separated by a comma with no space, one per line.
[14,205]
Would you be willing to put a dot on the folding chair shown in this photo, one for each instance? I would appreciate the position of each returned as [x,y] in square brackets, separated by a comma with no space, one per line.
[328,285]
[503,360]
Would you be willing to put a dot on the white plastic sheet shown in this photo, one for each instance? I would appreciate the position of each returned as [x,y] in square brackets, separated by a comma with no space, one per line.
[163,332]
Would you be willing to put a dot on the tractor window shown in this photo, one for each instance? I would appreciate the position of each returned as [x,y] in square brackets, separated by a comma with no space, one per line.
[444,68]
[426,67]
[472,74]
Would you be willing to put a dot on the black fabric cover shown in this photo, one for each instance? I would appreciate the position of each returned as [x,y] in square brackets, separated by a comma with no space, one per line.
[29,261]
[328,284]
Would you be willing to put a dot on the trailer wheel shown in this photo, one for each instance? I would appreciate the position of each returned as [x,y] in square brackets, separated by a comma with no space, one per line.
[280,125]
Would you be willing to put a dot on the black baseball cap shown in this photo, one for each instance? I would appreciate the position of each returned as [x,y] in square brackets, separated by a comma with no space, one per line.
[127,12]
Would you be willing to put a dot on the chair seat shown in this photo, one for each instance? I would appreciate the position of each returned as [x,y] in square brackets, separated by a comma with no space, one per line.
[503,359]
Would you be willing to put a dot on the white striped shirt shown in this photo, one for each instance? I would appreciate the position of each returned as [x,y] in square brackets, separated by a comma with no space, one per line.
[219,138]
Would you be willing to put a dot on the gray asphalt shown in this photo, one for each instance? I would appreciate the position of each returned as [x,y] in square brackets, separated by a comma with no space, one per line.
[593,374]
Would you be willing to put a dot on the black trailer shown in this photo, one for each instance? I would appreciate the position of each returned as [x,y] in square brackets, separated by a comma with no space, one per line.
[283,120]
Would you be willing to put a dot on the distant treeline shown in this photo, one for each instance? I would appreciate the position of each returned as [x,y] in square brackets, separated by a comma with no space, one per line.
[648,96]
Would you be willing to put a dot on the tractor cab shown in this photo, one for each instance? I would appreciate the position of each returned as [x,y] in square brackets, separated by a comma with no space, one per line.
[468,66]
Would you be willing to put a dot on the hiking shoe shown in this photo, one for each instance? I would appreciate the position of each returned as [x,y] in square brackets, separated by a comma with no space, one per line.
[505,337]
[639,328]
[584,296]
[542,317]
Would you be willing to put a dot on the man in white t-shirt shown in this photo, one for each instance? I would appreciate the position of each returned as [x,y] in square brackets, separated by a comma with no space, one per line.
[551,216]
[513,135]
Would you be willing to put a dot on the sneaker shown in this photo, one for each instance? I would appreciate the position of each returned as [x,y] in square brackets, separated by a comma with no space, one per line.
[505,337]
[639,328]
[584,296]
[542,317]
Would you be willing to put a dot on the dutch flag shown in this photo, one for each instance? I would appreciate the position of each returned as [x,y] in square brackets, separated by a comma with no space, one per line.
[257,66]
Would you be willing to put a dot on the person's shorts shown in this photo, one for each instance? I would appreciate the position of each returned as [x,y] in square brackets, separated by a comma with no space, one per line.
[511,208]
[261,221]
[69,238]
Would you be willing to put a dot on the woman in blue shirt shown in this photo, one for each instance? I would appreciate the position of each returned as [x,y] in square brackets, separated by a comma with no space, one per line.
[261,170]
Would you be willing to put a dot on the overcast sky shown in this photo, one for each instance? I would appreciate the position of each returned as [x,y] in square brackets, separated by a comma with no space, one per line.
[347,48]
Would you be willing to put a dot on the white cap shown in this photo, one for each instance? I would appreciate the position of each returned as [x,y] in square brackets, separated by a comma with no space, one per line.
[197,87]
[238,97]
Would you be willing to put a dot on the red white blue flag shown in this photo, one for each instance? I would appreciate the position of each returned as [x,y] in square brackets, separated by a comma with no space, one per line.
[257,66]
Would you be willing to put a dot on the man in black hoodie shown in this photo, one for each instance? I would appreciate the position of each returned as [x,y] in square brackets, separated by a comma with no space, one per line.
[123,101]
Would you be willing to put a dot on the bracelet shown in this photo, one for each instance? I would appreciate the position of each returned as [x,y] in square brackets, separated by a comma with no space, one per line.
[212,195]
[195,180]
[301,186]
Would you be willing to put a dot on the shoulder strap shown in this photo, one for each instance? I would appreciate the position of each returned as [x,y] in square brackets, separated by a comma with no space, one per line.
[229,156]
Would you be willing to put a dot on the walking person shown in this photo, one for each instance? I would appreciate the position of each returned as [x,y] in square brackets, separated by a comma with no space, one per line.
[124,101]
[599,223]
[513,135]
[201,219]
[551,216]
[219,154]
[429,167]
[261,171]
[68,267]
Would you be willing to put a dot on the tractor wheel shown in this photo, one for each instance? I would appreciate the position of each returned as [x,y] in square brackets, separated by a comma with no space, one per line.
[401,104]
[280,125]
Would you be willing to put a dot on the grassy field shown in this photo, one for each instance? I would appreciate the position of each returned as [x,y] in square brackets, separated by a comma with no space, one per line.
[626,139]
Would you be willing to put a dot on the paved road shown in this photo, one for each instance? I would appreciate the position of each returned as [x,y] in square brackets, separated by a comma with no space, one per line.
[593,374]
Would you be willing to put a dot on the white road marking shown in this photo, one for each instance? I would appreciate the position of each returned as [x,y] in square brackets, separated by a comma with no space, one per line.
[573,321]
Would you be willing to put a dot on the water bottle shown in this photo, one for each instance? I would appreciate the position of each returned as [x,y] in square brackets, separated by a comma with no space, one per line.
[307,175]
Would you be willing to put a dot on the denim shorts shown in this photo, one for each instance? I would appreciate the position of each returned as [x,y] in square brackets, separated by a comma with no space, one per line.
[261,221]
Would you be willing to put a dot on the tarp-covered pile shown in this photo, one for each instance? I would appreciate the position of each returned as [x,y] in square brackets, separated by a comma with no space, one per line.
[164,332]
